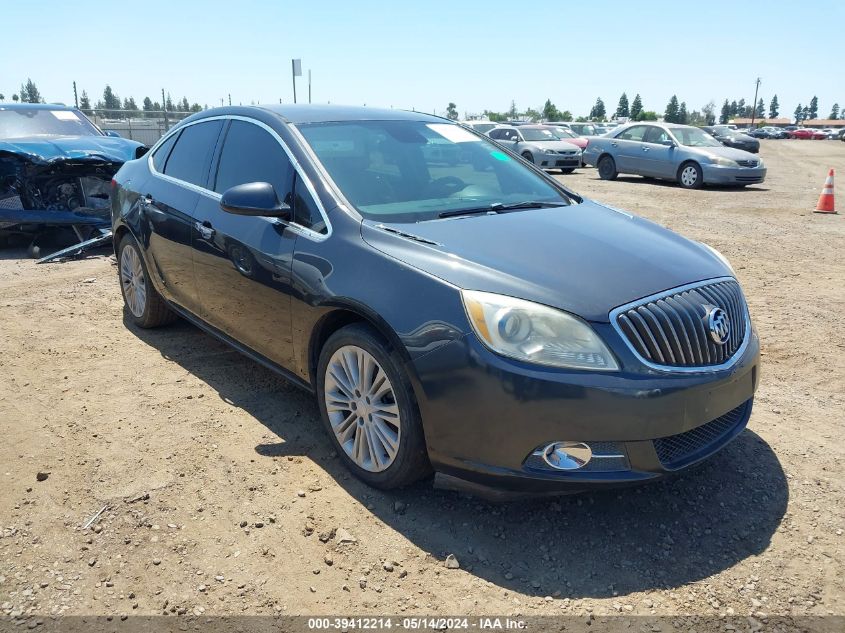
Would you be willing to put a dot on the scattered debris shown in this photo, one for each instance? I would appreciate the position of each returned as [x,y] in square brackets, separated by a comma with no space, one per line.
[94,518]
[141,497]
[343,536]
[41,476]
[452,562]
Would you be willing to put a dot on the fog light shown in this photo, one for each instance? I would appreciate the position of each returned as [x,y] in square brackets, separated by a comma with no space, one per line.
[567,455]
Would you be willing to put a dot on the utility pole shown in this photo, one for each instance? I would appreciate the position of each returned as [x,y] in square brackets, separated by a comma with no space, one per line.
[75,100]
[230,98]
[295,71]
[754,105]
[164,107]
[309,85]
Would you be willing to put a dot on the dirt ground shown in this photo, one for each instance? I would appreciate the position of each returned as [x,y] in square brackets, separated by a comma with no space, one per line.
[222,494]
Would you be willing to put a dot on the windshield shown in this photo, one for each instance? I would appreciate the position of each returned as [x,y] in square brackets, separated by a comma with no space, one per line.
[533,134]
[412,171]
[587,130]
[18,123]
[694,137]
[482,127]
[561,133]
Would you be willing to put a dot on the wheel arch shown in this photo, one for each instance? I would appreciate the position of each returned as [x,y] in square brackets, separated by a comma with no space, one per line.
[343,312]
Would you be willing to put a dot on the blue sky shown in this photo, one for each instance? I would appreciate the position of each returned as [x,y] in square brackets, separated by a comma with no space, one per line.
[424,54]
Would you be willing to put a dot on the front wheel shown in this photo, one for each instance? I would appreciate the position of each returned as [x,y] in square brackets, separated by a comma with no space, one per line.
[607,168]
[528,156]
[690,176]
[367,405]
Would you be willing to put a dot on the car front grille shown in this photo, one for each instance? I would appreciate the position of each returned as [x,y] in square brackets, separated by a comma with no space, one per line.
[747,163]
[671,329]
[678,450]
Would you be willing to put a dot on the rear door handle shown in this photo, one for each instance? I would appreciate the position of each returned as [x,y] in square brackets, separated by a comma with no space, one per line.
[645,149]
[614,144]
[205,229]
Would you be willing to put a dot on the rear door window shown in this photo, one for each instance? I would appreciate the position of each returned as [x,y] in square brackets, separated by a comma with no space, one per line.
[251,154]
[635,133]
[191,156]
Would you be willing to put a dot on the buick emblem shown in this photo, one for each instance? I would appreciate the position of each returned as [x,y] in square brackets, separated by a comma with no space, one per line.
[718,325]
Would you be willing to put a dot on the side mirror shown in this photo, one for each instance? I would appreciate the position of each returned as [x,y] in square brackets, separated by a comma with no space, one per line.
[141,151]
[255,199]
[111,133]
[668,143]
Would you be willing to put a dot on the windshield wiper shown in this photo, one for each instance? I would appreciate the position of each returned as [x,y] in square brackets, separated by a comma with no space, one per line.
[500,207]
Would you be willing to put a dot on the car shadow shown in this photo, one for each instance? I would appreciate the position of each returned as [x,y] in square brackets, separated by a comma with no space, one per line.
[639,180]
[660,536]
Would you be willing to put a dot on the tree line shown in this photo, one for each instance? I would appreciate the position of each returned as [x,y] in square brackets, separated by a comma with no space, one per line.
[110,103]
[676,111]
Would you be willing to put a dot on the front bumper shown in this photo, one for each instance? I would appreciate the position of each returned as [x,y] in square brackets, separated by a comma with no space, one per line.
[714,175]
[558,161]
[485,415]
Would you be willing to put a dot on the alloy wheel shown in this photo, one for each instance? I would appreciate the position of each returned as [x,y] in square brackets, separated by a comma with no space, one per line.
[133,281]
[362,408]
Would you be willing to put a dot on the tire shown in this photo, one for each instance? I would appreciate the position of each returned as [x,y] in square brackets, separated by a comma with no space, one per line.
[353,430]
[568,170]
[690,176]
[528,156]
[143,304]
[607,168]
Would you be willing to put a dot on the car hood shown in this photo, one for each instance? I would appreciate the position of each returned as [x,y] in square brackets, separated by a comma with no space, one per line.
[556,145]
[586,258]
[45,149]
[725,152]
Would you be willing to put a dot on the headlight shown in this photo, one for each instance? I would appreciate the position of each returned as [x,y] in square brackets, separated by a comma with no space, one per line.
[535,333]
[723,162]
[719,256]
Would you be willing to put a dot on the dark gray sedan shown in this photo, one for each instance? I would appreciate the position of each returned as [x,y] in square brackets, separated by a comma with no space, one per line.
[681,153]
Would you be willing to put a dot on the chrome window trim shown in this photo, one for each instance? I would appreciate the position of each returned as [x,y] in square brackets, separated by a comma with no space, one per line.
[733,360]
[293,226]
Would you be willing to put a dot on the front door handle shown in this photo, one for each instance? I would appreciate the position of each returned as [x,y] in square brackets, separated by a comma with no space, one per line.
[205,229]
[614,144]
[645,149]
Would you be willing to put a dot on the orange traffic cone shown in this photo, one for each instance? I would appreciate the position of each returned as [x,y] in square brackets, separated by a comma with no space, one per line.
[825,204]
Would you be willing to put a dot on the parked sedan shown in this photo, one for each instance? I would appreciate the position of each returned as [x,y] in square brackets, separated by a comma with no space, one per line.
[733,138]
[539,144]
[807,133]
[570,137]
[484,323]
[756,132]
[776,132]
[681,153]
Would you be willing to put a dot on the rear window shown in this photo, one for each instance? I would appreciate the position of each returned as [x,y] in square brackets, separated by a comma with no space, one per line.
[191,157]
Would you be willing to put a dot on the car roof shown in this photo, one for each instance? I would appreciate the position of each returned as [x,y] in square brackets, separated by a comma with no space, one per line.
[307,113]
[35,106]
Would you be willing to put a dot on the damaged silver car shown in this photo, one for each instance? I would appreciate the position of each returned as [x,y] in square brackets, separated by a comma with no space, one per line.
[55,175]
